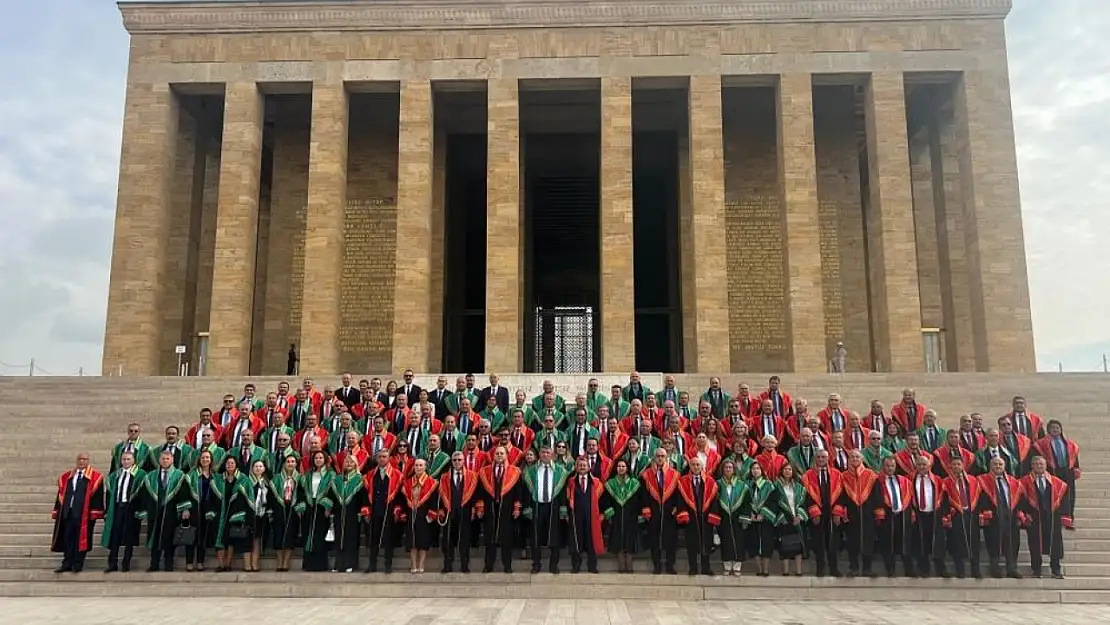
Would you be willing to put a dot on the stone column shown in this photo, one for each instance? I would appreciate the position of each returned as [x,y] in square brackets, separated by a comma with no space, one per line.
[233,271]
[504,281]
[707,198]
[895,300]
[1000,316]
[798,179]
[412,316]
[134,322]
[618,310]
[324,223]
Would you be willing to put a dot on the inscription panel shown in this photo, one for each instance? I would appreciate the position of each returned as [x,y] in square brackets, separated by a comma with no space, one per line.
[369,275]
[757,302]
[831,292]
[296,274]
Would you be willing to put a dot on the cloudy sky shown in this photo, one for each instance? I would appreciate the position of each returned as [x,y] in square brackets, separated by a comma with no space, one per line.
[62,67]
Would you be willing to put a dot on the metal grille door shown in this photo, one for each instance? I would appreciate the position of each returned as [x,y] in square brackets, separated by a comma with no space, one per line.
[564,339]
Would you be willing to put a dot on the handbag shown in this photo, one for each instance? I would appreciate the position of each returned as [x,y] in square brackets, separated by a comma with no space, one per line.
[791,542]
[184,536]
[330,536]
[237,531]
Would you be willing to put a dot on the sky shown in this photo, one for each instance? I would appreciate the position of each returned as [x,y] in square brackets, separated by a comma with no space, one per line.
[63,66]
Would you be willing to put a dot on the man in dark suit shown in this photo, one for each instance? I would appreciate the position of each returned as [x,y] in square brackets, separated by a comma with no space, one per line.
[497,391]
[438,397]
[348,394]
[409,389]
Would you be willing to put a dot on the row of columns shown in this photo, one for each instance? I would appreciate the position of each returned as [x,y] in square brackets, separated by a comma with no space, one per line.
[146,171]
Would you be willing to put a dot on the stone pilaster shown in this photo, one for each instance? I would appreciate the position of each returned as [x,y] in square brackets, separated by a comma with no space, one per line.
[324,223]
[951,244]
[412,316]
[233,271]
[143,202]
[504,279]
[707,199]
[798,177]
[999,284]
[895,300]
[618,310]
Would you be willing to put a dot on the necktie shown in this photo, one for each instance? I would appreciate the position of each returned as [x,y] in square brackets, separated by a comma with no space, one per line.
[164,479]
[895,496]
[582,481]
[929,438]
[545,495]
[824,477]
[963,494]
[122,488]
[697,482]
[1003,499]
[807,453]
[498,473]
[920,493]
[458,478]
[1042,484]
[660,478]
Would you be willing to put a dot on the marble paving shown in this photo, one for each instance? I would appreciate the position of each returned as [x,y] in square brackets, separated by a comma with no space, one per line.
[158,611]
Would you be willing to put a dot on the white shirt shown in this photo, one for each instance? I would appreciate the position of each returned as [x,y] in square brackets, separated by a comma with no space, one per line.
[546,485]
[923,485]
[77,476]
[123,486]
[316,477]
[894,493]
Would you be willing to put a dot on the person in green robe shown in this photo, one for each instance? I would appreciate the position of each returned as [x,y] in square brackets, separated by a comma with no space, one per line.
[269,436]
[669,392]
[490,412]
[595,397]
[762,507]
[875,453]
[636,459]
[677,460]
[453,401]
[208,443]
[562,455]
[134,444]
[284,451]
[717,398]
[618,406]
[284,525]
[548,399]
[893,439]
[248,452]
[580,431]
[205,507]
[803,455]
[932,436]
[580,404]
[732,495]
[251,399]
[183,458]
[233,490]
[550,435]
[259,515]
[122,490]
[337,440]
[647,442]
[314,504]
[545,505]
[164,502]
[621,505]
[791,497]
[435,458]
[520,402]
[348,491]
[635,389]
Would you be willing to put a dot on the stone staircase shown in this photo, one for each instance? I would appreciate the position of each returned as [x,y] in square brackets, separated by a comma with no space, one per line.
[46,421]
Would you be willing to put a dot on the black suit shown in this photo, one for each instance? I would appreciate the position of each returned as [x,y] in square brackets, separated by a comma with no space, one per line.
[502,397]
[413,394]
[350,396]
[438,397]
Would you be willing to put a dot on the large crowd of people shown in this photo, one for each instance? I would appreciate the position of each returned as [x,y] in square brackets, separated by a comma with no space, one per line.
[348,475]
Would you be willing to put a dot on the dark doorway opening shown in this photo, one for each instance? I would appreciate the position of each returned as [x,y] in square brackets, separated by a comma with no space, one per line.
[460,120]
[561,150]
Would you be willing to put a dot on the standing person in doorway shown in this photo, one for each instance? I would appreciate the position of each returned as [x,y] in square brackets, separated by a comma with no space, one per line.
[292,362]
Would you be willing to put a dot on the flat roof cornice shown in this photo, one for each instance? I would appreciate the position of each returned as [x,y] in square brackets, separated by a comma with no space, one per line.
[247,16]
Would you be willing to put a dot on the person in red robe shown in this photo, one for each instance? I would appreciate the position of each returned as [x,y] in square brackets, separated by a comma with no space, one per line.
[661,501]
[834,416]
[462,508]
[998,516]
[826,513]
[1042,517]
[952,449]
[781,402]
[970,439]
[770,460]
[906,459]
[960,519]
[860,502]
[1062,456]
[699,514]
[1025,423]
[767,423]
[701,449]
[195,436]
[584,535]
[893,514]
[78,505]
[909,413]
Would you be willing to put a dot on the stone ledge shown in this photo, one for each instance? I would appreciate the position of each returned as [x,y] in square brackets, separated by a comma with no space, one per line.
[387,15]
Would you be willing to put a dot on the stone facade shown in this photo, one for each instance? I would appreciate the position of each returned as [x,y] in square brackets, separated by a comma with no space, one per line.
[814,207]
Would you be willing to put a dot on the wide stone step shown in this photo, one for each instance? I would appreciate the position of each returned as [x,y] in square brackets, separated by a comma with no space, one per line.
[543,586]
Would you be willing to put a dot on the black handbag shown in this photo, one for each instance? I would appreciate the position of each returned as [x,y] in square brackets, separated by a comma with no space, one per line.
[185,536]
[791,542]
[237,531]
